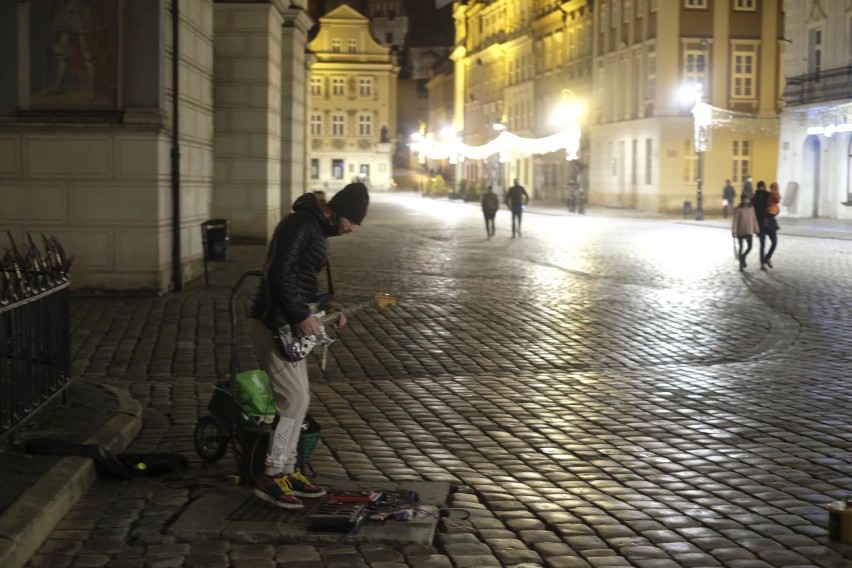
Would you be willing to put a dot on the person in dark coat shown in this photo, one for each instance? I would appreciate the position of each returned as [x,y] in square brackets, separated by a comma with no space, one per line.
[748,188]
[490,205]
[768,224]
[516,199]
[728,196]
[283,307]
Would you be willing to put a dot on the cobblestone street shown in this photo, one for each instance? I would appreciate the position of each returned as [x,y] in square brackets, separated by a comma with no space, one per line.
[604,391]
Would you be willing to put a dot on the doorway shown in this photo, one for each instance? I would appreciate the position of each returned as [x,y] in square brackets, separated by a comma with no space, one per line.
[810,171]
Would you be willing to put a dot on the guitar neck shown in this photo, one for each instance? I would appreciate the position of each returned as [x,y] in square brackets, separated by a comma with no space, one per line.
[334,316]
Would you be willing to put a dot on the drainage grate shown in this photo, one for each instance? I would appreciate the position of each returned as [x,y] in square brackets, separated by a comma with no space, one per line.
[253,509]
[324,513]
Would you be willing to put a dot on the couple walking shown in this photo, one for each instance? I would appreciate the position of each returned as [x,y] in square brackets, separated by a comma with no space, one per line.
[756,215]
[516,199]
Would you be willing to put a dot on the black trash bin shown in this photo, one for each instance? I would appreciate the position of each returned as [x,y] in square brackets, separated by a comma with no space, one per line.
[214,235]
[214,240]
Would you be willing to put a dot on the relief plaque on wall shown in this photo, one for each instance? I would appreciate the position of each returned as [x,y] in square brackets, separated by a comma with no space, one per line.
[73,52]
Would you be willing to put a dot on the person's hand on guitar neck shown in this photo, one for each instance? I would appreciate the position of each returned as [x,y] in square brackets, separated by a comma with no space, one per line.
[335,307]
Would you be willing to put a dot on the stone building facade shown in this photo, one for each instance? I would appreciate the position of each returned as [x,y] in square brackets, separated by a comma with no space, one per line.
[815,164]
[96,149]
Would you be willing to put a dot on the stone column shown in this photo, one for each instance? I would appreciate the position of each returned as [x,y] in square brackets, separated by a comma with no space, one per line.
[294,73]
[247,100]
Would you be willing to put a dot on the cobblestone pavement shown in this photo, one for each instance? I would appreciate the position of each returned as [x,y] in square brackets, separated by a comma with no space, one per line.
[602,392]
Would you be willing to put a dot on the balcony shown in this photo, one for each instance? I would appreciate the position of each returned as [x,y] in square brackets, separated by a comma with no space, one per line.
[828,85]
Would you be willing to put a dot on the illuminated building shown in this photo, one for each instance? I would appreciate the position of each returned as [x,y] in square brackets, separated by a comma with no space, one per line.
[624,61]
[352,104]
[815,165]
[642,142]
[514,63]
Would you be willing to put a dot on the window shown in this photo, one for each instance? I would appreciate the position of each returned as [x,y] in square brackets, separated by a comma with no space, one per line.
[335,45]
[742,160]
[365,86]
[353,46]
[314,168]
[316,85]
[389,36]
[364,171]
[337,168]
[634,159]
[815,51]
[695,4]
[745,5]
[651,81]
[316,124]
[690,162]
[365,125]
[627,11]
[694,66]
[742,75]
[337,125]
[649,146]
[338,86]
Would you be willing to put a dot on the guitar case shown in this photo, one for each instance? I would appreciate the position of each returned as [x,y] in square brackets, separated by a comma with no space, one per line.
[121,466]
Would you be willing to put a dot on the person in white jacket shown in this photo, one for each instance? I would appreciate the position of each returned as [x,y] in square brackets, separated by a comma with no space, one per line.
[744,226]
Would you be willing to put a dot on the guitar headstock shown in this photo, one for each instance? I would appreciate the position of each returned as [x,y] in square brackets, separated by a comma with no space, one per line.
[385,300]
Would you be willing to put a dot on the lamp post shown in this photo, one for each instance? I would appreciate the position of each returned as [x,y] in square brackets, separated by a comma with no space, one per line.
[701,116]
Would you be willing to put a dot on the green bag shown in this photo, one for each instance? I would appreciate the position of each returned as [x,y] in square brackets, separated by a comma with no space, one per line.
[254,394]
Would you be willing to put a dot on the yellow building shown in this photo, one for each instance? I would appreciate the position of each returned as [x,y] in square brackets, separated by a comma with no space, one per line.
[625,62]
[515,63]
[352,104]
[643,151]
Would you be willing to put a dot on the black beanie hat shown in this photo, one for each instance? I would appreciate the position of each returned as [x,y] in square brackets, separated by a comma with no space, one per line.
[351,202]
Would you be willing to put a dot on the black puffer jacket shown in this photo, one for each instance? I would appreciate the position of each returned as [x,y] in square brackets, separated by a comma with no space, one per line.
[297,252]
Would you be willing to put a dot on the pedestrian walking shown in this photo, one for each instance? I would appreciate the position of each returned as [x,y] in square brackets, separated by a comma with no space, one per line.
[748,188]
[490,205]
[743,227]
[516,199]
[768,224]
[290,284]
[728,197]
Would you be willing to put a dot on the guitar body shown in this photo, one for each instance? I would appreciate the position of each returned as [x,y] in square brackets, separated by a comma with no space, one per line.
[294,346]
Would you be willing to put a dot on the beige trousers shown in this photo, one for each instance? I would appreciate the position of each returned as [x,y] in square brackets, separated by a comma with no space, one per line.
[289,383]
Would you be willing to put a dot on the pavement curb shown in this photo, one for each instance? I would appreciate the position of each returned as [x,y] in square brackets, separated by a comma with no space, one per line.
[29,521]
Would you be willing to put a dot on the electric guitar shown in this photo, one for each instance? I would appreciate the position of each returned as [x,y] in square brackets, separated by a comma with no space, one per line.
[294,346]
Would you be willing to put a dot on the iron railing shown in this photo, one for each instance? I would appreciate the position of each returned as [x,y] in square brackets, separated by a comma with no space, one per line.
[35,349]
[828,85]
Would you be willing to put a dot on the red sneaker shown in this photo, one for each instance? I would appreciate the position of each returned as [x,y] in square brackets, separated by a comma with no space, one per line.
[303,487]
[277,490]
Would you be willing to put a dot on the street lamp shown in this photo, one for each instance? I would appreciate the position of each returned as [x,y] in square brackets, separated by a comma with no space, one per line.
[701,115]
[701,120]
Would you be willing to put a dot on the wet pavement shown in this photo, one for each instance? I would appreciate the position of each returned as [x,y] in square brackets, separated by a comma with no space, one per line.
[607,390]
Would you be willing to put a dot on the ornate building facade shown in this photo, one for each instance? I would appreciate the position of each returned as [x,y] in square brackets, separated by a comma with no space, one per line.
[352,104]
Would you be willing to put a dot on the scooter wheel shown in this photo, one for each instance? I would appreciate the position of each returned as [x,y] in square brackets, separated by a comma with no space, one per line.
[211,438]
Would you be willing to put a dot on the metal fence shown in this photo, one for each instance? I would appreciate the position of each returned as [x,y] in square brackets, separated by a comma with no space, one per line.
[35,353]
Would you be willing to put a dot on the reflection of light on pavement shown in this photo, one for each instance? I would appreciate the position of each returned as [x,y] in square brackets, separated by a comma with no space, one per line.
[448,211]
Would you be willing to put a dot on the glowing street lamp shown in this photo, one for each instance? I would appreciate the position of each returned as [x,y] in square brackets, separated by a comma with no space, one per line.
[701,120]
